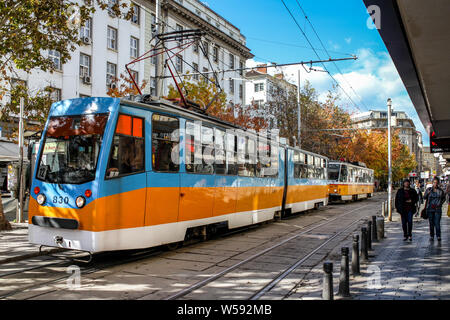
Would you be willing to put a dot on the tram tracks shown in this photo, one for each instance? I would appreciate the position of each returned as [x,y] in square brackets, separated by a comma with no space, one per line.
[201,284]
[141,255]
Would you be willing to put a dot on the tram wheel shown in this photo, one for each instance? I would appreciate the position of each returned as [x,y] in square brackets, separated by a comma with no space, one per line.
[174,245]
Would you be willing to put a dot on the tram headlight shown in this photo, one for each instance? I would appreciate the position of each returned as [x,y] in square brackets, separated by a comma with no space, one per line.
[80,201]
[41,199]
[335,190]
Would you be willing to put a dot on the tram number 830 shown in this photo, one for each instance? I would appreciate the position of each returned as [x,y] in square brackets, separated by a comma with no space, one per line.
[60,200]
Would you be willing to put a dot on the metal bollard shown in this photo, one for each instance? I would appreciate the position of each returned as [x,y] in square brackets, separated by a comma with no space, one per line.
[374,229]
[355,255]
[383,212]
[380,227]
[369,235]
[344,278]
[364,253]
[327,292]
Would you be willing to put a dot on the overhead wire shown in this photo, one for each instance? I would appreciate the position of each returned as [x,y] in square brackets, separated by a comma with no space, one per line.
[327,52]
[318,56]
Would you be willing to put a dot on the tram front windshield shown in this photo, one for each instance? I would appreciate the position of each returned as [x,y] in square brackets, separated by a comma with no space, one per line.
[333,172]
[71,148]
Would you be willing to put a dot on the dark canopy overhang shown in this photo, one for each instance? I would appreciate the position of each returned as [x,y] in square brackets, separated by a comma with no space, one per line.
[417,36]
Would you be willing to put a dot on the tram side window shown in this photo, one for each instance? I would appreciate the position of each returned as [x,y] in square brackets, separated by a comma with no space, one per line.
[311,171]
[263,159]
[165,143]
[219,145]
[318,167]
[128,148]
[273,153]
[297,165]
[232,167]
[324,169]
[343,177]
[247,154]
[200,148]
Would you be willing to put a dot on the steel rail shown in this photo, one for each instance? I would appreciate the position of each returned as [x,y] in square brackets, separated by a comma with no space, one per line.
[256,255]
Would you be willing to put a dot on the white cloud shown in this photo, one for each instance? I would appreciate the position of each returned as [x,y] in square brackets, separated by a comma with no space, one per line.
[348,40]
[373,77]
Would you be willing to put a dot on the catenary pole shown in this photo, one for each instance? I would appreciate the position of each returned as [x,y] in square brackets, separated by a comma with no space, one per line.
[389,105]
[19,217]
[299,114]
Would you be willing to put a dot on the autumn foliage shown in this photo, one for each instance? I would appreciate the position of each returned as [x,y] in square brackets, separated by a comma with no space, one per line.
[203,91]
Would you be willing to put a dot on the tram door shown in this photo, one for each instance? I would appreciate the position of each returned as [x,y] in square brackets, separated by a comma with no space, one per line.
[197,182]
[125,180]
[163,180]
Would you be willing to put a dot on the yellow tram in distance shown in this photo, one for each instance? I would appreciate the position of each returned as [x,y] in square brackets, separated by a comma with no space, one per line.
[349,181]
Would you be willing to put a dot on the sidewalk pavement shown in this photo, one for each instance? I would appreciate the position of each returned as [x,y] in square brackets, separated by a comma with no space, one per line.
[14,245]
[417,270]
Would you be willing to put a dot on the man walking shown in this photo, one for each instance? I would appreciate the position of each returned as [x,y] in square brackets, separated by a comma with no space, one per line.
[435,198]
[405,202]
[419,194]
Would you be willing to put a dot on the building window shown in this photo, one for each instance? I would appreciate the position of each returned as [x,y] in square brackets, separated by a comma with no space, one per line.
[241,68]
[231,85]
[85,65]
[195,70]
[135,76]
[86,29]
[111,73]
[206,48]
[216,54]
[153,86]
[241,91]
[205,70]
[55,94]
[134,47]
[153,23]
[55,56]
[259,87]
[231,61]
[179,63]
[128,147]
[179,28]
[112,38]
[195,47]
[153,53]
[135,18]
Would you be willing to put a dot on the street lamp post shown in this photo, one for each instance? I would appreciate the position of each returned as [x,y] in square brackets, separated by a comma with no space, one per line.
[389,105]
[299,120]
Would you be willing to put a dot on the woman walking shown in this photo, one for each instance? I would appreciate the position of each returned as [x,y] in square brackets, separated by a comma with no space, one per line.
[435,198]
[405,202]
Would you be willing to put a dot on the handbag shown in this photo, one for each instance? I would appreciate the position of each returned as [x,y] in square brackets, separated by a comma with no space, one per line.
[424,214]
[448,209]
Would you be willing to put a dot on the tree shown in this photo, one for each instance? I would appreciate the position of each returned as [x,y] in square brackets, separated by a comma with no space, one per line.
[28,30]
[203,91]
[124,86]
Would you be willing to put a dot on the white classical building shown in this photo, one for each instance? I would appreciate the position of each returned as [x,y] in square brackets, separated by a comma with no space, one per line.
[110,43]
[262,87]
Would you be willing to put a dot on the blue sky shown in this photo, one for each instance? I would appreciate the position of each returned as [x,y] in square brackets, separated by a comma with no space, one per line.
[273,36]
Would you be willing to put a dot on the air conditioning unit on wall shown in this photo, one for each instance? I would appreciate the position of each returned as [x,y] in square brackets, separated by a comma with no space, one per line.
[87,40]
[86,79]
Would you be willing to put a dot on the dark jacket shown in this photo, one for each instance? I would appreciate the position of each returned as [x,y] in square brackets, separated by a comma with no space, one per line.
[400,200]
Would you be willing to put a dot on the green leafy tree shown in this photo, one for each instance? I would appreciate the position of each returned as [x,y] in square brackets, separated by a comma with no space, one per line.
[28,30]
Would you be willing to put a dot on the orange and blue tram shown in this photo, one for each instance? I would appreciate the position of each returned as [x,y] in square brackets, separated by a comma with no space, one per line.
[118,174]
